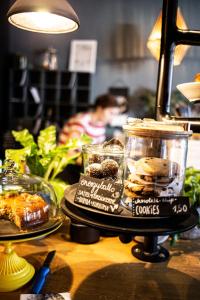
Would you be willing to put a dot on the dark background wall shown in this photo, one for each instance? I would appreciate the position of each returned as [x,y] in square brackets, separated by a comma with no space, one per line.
[121,29]
[4,49]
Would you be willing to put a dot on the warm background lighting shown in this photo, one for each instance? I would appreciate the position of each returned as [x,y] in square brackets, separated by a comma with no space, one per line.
[154,40]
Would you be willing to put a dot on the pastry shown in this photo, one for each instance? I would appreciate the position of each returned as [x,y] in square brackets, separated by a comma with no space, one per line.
[129,193]
[94,170]
[24,209]
[150,180]
[152,176]
[95,158]
[135,190]
[109,168]
[154,166]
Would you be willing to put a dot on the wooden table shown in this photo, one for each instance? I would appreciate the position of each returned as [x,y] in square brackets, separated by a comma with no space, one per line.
[108,271]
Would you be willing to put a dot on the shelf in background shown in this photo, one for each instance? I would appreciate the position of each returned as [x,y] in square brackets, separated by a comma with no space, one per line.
[58,94]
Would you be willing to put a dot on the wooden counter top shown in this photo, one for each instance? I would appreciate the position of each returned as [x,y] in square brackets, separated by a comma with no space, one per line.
[108,271]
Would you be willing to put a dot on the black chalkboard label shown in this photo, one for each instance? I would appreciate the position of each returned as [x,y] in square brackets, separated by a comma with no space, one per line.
[160,206]
[99,194]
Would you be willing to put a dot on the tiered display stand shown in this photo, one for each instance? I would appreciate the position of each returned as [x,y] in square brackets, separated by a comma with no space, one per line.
[127,226]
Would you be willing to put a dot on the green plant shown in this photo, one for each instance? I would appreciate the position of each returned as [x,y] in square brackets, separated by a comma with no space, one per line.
[45,158]
[192,191]
[192,186]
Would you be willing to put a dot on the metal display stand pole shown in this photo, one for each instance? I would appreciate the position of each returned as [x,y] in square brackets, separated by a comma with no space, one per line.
[149,250]
[171,36]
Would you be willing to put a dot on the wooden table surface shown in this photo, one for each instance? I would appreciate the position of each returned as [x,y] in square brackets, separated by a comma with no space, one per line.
[108,271]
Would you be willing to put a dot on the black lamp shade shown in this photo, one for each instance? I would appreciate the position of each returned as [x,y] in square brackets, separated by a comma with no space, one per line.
[46,16]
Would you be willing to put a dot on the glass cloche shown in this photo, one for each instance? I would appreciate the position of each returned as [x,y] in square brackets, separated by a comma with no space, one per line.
[27,203]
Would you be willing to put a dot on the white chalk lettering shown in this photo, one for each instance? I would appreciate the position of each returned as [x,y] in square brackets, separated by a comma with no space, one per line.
[96,197]
[113,208]
[147,210]
[83,200]
[99,205]
[146,201]
[97,186]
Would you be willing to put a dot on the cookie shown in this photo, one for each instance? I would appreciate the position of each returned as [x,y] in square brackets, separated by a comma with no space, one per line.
[150,180]
[134,187]
[153,166]
[135,190]
[129,194]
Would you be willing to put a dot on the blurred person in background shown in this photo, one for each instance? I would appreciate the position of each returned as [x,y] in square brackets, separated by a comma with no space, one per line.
[94,122]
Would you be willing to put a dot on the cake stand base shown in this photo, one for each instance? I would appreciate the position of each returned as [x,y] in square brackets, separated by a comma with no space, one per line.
[15,271]
[150,251]
[127,228]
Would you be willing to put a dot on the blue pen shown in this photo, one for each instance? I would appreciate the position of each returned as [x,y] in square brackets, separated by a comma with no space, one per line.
[42,273]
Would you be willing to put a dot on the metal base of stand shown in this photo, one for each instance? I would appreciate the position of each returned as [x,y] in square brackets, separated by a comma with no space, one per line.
[150,251]
[127,228]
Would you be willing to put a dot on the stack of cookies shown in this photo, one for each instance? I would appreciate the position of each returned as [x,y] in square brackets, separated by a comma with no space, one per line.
[152,176]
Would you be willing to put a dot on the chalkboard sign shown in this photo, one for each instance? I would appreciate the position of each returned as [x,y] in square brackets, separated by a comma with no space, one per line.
[99,194]
[160,206]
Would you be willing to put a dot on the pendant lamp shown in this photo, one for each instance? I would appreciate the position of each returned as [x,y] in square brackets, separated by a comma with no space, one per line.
[154,40]
[45,16]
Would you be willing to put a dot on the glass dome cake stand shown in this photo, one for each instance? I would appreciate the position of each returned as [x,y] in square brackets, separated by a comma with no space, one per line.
[27,212]
[127,227]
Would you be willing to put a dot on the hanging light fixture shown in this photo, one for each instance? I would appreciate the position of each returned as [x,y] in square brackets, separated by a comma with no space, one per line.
[45,16]
[154,40]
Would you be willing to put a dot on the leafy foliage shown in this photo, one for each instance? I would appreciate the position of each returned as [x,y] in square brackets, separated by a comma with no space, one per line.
[192,186]
[45,158]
